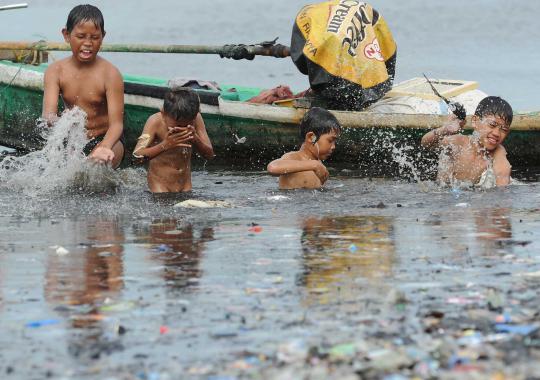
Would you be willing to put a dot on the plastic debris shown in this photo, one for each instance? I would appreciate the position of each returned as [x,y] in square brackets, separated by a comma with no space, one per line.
[294,351]
[255,228]
[353,248]
[118,307]
[516,329]
[41,323]
[60,251]
[195,203]
[163,330]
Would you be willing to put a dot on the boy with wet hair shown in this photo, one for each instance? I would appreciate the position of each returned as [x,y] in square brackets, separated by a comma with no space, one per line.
[89,82]
[167,140]
[303,169]
[479,159]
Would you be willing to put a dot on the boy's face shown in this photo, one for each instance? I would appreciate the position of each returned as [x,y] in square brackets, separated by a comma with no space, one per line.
[327,144]
[85,40]
[492,130]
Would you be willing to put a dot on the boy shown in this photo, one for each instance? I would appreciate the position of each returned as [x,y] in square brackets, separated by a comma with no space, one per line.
[167,139]
[303,169]
[90,83]
[480,158]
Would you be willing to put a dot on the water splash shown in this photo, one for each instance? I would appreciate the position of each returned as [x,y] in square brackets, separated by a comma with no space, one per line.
[61,165]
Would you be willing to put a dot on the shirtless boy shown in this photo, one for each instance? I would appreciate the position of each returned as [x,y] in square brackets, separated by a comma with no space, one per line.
[479,159]
[167,140]
[89,82]
[303,169]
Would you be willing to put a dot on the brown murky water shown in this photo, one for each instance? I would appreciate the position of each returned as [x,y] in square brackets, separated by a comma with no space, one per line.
[367,278]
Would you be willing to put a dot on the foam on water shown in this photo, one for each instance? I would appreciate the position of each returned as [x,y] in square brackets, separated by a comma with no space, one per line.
[61,165]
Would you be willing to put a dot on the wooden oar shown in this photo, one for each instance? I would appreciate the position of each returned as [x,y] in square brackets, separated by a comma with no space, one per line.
[269,49]
[13,6]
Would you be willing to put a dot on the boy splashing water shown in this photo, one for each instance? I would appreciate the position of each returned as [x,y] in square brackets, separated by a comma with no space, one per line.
[167,141]
[479,159]
[303,169]
[89,82]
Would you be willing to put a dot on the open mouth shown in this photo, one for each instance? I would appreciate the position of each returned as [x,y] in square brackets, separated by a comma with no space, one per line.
[493,141]
[85,54]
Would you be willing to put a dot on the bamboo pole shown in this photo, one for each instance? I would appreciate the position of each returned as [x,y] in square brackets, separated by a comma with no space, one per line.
[227,51]
[13,6]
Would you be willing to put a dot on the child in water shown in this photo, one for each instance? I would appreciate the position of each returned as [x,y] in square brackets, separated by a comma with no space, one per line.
[479,159]
[89,82]
[303,169]
[167,141]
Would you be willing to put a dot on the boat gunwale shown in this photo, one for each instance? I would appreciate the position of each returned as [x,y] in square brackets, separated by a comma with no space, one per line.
[31,77]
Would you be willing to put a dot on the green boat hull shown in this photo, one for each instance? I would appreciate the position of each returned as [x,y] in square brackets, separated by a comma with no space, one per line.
[368,150]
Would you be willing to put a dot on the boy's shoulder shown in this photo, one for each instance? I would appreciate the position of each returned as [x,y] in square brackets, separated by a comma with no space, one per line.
[155,121]
[456,140]
[58,65]
[294,155]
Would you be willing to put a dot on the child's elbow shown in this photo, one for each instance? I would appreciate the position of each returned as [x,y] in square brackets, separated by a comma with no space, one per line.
[272,168]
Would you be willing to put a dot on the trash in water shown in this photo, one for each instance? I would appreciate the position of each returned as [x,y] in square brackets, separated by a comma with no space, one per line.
[463,205]
[516,329]
[255,228]
[60,251]
[41,323]
[163,248]
[163,330]
[277,198]
[118,307]
[194,203]
[353,248]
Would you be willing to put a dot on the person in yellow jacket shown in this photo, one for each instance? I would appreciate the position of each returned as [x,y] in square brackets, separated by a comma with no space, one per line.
[348,52]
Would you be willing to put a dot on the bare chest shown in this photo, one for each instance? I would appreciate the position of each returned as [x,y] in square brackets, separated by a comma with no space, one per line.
[84,89]
[470,166]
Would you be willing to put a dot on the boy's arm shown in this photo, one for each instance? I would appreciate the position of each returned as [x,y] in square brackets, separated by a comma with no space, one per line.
[435,137]
[287,165]
[201,139]
[172,140]
[114,91]
[145,139]
[501,167]
[51,85]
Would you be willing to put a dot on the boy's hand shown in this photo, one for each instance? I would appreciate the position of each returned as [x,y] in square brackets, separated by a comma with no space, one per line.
[196,137]
[102,155]
[321,171]
[178,137]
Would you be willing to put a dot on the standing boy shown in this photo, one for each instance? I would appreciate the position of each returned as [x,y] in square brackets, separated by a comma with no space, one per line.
[479,159]
[89,82]
[303,169]
[167,141]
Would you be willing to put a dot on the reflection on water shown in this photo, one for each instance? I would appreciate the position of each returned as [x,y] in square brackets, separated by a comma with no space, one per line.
[176,245]
[94,272]
[341,254]
[80,282]
[221,288]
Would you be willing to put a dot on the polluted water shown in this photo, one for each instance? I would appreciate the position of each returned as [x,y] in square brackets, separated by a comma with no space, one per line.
[369,278]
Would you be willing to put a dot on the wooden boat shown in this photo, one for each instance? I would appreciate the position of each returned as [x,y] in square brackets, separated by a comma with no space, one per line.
[369,141]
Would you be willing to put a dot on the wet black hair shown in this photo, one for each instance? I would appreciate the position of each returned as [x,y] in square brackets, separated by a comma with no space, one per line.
[319,121]
[182,104]
[494,105]
[85,12]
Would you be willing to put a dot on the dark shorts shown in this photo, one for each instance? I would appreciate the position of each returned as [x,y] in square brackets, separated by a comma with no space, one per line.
[89,147]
